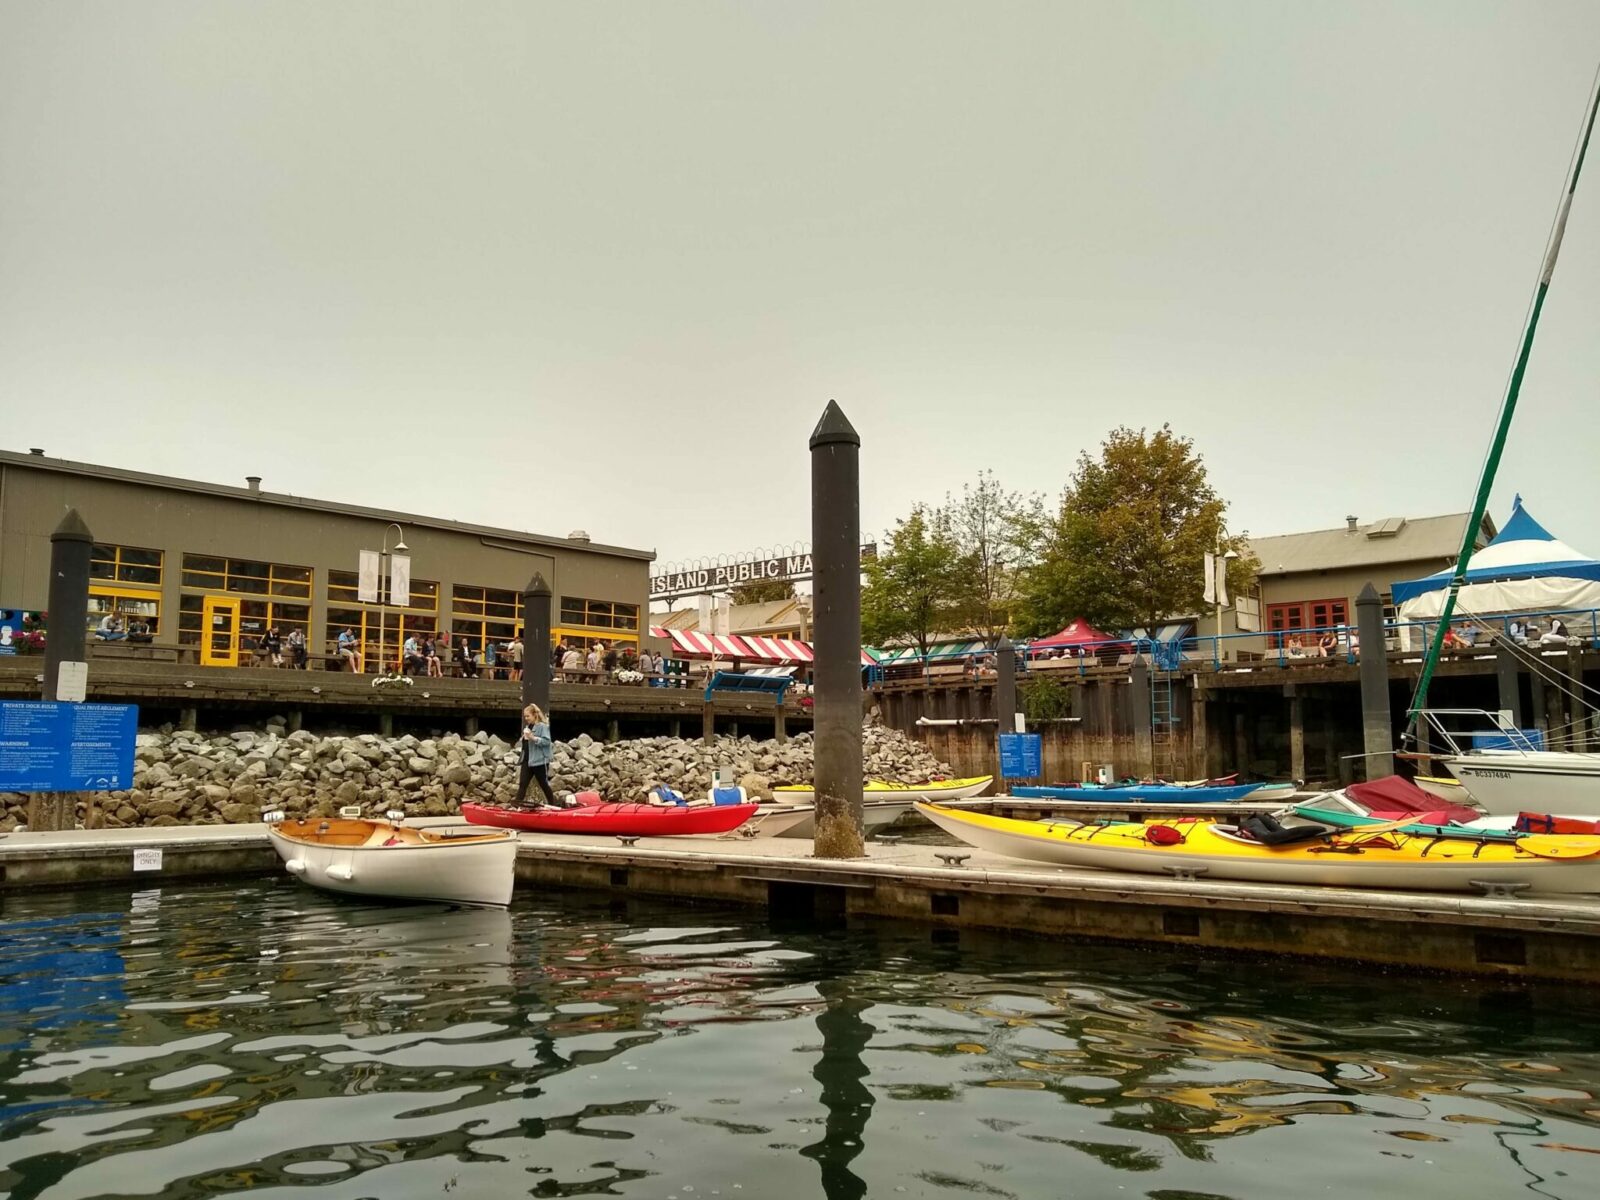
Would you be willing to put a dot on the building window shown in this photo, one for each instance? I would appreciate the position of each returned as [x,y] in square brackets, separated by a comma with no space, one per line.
[256,617]
[483,615]
[600,614]
[380,627]
[271,596]
[126,564]
[584,622]
[1304,616]
[239,575]
[344,588]
[125,581]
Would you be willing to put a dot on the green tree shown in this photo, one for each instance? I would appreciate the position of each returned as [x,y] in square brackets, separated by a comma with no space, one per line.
[759,591]
[1127,546]
[994,531]
[913,585]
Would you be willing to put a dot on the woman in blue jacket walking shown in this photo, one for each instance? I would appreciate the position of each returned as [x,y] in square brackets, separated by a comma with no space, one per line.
[536,747]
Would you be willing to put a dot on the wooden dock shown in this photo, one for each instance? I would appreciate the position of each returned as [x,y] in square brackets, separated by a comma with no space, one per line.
[1556,938]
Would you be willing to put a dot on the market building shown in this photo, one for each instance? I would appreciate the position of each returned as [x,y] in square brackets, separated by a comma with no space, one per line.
[211,567]
[1311,580]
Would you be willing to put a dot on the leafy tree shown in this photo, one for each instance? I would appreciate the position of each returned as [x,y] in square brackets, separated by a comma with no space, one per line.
[994,532]
[913,585]
[758,591]
[1127,546]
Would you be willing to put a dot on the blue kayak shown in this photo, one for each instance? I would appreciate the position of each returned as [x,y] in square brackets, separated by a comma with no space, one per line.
[1175,792]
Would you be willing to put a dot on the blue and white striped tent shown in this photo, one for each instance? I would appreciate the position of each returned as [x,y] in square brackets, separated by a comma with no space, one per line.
[1525,569]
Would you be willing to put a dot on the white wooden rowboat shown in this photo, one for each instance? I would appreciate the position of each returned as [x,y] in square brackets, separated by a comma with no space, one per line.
[392,861]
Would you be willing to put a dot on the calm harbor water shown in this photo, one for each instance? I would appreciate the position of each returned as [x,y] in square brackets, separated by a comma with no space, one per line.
[200,1040]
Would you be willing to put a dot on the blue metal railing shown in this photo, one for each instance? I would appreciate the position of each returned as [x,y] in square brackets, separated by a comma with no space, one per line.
[1282,646]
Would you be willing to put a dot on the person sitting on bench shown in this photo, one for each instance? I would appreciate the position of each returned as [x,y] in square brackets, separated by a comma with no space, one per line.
[111,629]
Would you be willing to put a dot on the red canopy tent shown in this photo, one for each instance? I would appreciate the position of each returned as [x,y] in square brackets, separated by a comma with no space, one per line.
[1076,635]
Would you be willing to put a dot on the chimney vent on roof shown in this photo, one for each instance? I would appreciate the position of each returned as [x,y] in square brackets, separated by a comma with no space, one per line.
[255,483]
[1350,524]
[577,535]
[35,450]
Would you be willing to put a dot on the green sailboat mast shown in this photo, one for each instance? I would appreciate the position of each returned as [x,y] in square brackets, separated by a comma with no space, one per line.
[1507,410]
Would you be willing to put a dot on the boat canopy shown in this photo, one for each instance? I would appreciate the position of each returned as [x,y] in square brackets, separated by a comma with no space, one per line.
[1524,569]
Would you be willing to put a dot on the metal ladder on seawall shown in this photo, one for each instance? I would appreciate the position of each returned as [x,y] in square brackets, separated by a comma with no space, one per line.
[1163,720]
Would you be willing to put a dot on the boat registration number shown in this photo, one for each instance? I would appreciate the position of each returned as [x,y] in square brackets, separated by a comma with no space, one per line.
[1489,774]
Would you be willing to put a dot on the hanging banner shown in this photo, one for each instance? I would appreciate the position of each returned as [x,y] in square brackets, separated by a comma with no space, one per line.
[1211,579]
[1222,581]
[703,608]
[400,580]
[367,578]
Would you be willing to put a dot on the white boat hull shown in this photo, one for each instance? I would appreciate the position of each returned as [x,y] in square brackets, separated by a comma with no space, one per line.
[930,792]
[1338,871]
[800,820]
[1537,782]
[481,871]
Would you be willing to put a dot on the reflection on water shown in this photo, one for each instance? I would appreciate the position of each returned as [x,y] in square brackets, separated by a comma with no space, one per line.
[194,1041]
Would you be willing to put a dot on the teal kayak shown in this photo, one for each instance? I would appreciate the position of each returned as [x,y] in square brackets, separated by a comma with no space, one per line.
[1349,820]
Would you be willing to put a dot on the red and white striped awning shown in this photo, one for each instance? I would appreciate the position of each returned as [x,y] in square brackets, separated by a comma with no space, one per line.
[782,650]
[695,644]
[745,646]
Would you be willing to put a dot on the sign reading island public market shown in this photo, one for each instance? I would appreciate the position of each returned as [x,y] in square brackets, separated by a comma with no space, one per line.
[693,579]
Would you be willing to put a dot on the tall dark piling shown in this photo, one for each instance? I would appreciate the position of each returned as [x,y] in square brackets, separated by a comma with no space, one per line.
[1508,679]
[836,603]
[71,546]
[536,667]
[1005,684]
[1377,728]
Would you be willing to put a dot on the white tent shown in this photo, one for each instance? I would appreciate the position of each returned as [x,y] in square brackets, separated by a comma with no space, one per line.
[1524,569]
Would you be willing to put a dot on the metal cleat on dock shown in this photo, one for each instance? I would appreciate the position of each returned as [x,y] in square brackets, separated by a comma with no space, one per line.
[1184,871]
[627,840]
[1499,891]
[951,860]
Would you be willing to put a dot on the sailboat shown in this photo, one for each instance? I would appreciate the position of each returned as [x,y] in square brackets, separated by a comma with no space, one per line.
[1510,774]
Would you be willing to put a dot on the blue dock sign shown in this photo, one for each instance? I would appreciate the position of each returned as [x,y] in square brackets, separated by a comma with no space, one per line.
[47,746]
[1021,756]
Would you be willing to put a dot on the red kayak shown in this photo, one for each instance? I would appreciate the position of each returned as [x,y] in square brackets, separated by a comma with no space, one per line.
[628,820]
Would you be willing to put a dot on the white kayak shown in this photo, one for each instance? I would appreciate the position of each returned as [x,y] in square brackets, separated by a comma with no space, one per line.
[937,790]
[392,861]
[800,820]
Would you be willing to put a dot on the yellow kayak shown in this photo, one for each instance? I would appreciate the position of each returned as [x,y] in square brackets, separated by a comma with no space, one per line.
[1376,856]
[882,789]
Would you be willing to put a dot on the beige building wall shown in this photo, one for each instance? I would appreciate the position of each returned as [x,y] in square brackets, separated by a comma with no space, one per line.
[235,523]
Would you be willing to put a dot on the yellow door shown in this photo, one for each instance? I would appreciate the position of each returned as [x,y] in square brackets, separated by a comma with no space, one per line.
[219,639]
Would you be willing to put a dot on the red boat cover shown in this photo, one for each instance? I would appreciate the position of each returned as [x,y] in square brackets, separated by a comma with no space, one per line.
[1395,796]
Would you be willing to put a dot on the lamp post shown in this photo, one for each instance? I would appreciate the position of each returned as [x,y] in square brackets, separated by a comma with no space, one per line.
[383,581]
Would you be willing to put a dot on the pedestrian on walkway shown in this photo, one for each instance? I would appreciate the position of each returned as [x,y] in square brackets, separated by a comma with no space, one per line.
[536,747]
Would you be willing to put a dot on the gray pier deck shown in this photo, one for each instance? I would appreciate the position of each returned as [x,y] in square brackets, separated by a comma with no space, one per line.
[1531,937]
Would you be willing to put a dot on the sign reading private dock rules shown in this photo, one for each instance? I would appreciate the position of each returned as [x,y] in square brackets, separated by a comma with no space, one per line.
[1021,756]
[47,746]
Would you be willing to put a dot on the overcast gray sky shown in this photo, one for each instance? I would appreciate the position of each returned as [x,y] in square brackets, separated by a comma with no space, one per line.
[569,265]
